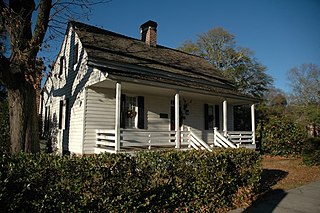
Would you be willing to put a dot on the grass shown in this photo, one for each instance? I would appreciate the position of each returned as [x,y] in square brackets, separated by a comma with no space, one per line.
[287,173]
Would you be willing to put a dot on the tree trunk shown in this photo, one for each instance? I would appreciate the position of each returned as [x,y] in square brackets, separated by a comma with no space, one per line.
[23,119]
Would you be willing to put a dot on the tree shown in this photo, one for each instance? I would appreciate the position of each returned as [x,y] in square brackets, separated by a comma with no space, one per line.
[305,84]
[219,48]
[305,103]
[21,71]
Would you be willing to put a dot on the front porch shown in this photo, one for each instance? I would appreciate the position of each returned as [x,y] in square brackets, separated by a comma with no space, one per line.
[207,121]
[136,140]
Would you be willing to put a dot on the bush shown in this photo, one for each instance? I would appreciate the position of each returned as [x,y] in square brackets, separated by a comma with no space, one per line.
[311,151]
[149,181]
[282,136]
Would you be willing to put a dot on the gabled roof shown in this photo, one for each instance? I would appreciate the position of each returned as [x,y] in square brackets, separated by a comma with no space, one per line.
[104,46]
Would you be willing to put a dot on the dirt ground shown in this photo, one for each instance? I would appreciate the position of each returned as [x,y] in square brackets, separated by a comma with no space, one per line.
[287,173]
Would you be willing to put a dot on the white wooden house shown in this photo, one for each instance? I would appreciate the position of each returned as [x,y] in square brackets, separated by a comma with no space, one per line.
[111,93]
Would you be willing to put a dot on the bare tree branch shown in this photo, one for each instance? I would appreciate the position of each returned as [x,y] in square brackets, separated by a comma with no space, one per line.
[41,26]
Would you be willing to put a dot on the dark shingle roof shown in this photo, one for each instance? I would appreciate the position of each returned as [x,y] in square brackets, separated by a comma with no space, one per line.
[103,45]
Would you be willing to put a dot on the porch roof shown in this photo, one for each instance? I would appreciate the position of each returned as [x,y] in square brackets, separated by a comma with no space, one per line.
[135,59]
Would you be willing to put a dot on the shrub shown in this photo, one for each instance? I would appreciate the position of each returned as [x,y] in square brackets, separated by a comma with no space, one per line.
[149,181]
[281,136]
[311,151]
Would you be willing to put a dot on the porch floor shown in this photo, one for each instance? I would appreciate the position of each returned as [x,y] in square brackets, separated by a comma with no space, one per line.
[131,149]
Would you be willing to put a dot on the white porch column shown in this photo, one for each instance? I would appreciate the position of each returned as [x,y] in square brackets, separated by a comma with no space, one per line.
[253,124]
[176,119]
[225,117]
[117,121]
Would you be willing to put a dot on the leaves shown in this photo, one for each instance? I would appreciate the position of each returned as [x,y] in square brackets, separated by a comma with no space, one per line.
[282,136]
[218,46]
[165,181]
[311,151]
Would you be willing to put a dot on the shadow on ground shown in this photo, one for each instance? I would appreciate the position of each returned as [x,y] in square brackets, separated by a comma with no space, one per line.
[269,178]
[269,198]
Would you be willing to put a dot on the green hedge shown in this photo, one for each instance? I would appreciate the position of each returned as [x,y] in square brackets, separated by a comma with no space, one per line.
[148,181]
[281,136]
[311,151]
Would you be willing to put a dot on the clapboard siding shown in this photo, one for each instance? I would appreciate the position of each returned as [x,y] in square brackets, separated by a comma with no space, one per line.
[99,114]
[195,119]
[76,127]
[71,84]
[155,106]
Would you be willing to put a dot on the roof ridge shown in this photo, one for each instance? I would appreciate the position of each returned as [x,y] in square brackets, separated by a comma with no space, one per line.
[75,23]
[99,29]
[216,74]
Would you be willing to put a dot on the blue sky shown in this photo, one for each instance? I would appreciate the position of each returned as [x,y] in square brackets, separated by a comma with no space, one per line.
[282,33]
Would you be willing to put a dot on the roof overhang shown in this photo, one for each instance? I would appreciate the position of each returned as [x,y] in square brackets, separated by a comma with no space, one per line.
[161,79]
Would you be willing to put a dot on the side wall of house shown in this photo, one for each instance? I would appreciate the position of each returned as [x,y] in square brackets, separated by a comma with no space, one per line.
[64,95]
[99,114]
[154,107]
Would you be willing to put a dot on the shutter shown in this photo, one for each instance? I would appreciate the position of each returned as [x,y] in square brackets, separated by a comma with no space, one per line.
[60,114]
[140,112]
[123,111]
[49,118]
[217,116]
[46,119]
[75,53]
[61,65]
[206,117]
[66,124]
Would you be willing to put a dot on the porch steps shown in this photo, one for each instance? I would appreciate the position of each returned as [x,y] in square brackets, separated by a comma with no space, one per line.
[197,143]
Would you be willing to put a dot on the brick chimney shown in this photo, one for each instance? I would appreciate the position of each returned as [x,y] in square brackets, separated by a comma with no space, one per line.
[148,32]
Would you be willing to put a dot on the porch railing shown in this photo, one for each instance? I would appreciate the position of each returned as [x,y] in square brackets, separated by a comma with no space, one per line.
[140,138]
[240,137]
[221,141]
[158,139]
[197,143]
[234,139]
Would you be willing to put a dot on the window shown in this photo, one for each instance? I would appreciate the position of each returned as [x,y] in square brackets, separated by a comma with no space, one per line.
[63,113]
[61,65]
[208,116]
[217,116]
[132,109]
[75,53]
[47,119]
[132,112]
[211,116]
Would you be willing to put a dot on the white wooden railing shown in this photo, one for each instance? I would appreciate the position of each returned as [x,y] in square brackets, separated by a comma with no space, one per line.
[148,139]
[221,141]
[241,138]
[106,137]
[158,139]
[140,138]
[197,143]
[234,139]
